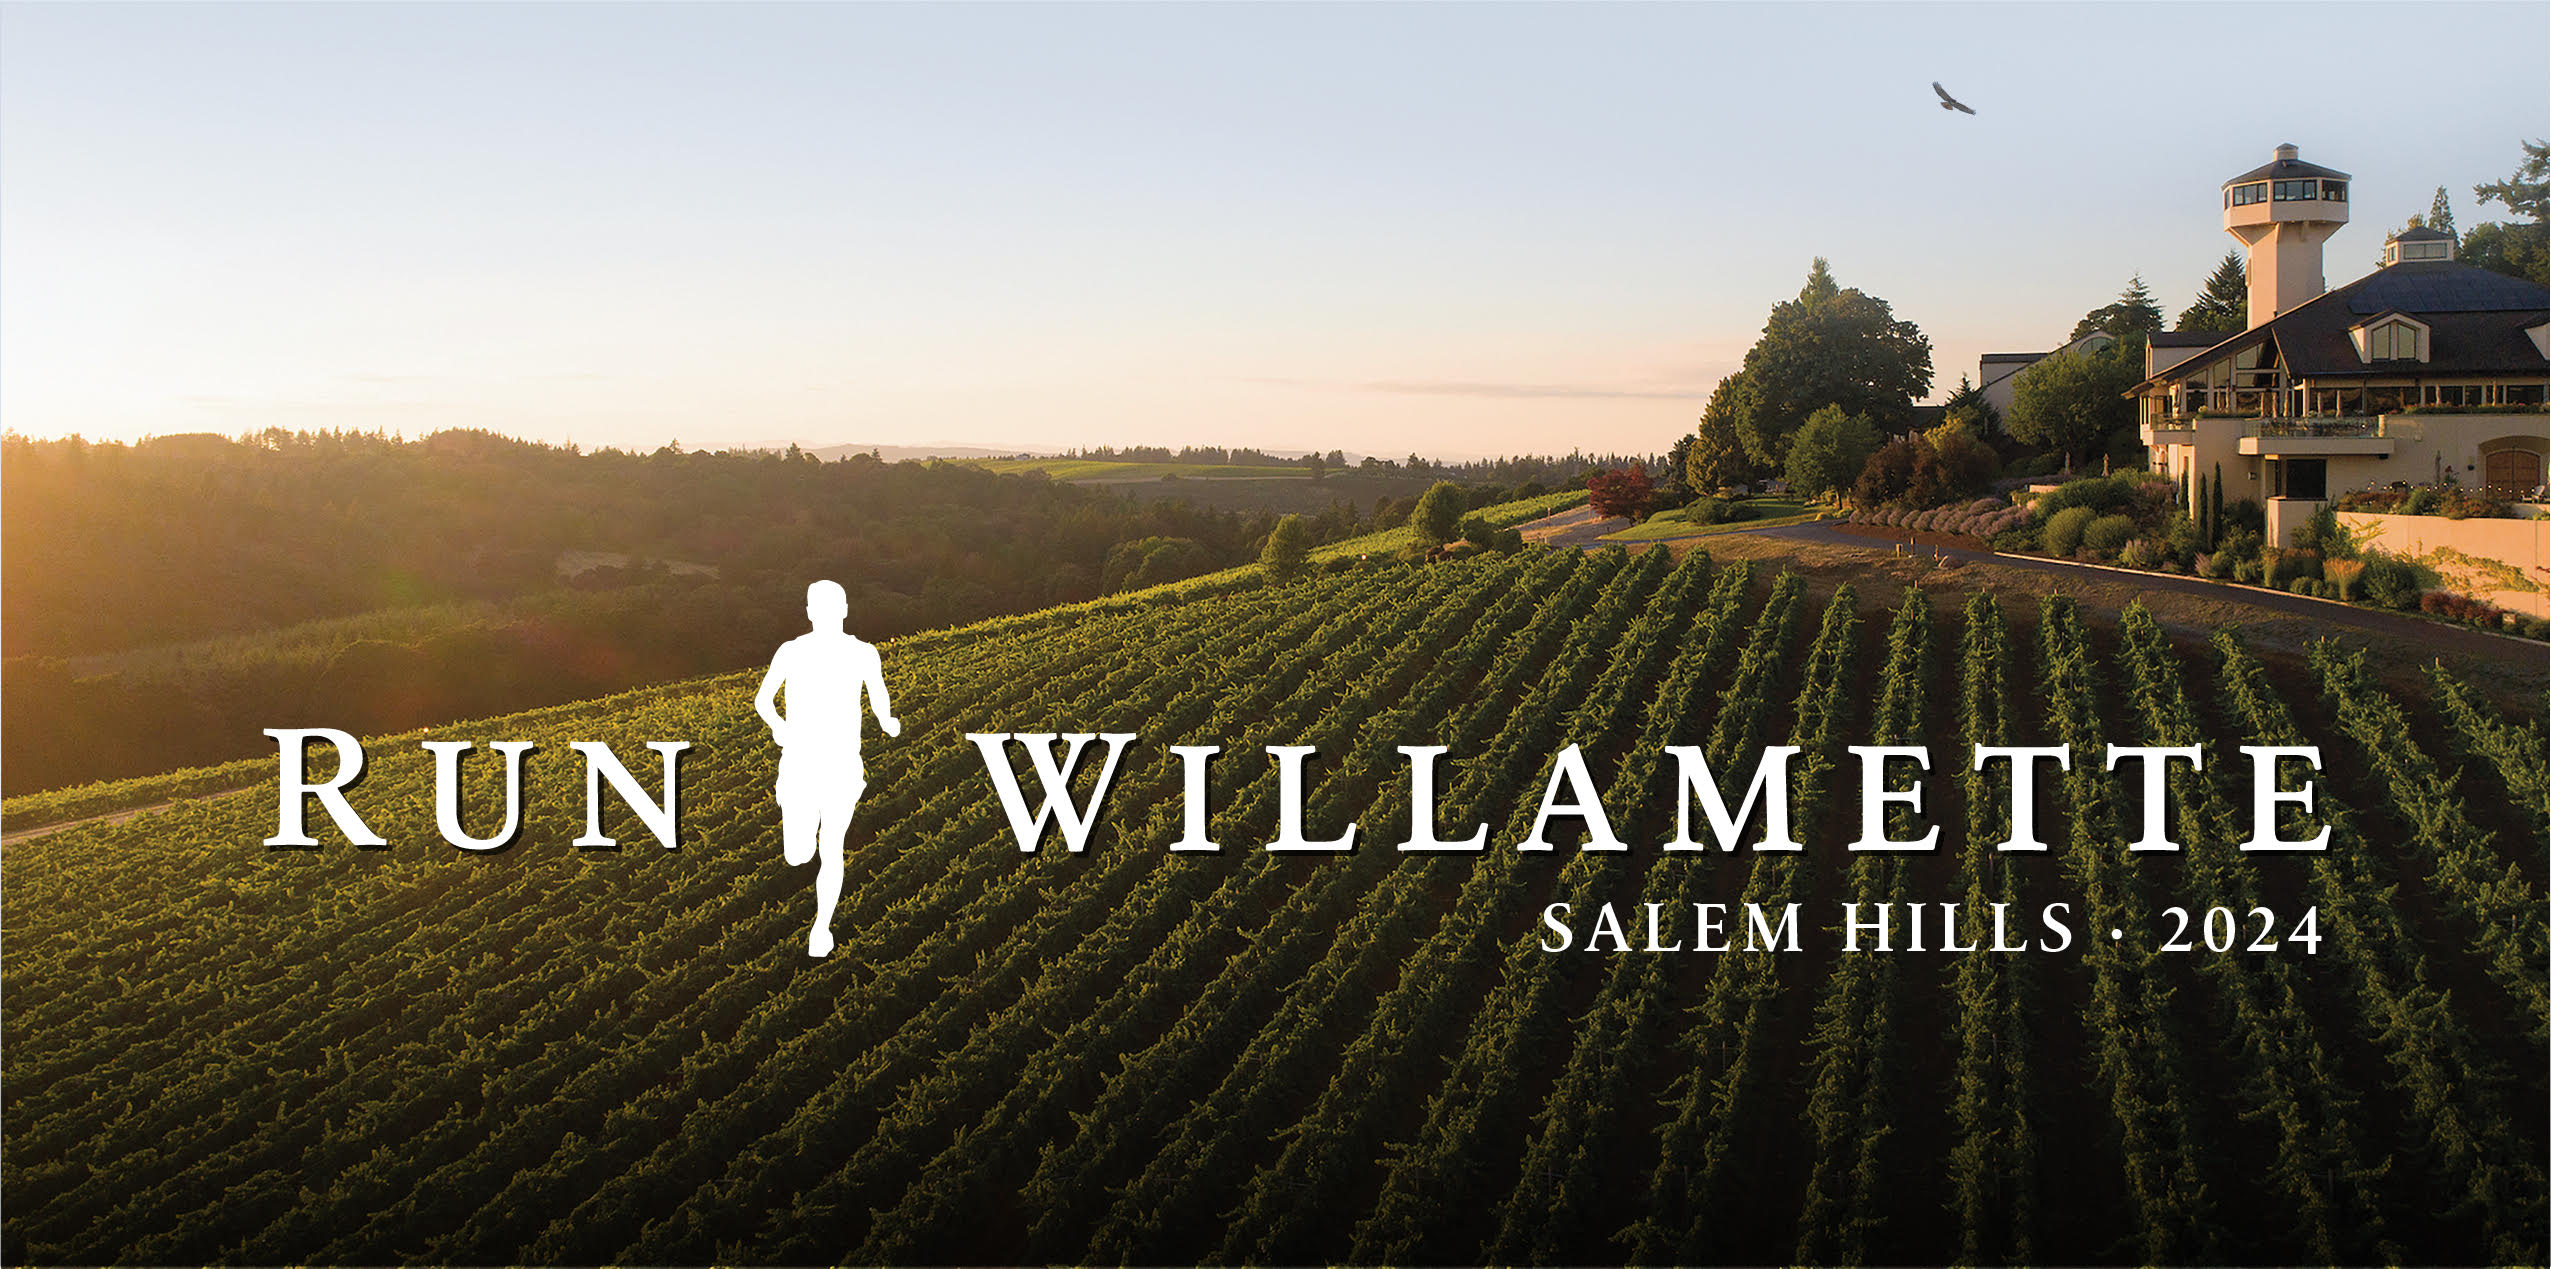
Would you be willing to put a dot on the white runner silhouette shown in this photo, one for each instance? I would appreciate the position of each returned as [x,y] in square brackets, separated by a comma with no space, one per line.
[820,776]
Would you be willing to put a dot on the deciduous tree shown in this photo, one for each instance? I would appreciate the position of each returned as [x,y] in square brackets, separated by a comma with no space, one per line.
[1622,491]
[1439,513]
[2073,401]
[1830,346]
[1830,449]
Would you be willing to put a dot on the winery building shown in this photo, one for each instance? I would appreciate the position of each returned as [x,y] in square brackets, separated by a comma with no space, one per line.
[2423,371]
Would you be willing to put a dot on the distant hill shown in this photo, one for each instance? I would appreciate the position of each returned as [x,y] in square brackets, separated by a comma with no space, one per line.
[901,453]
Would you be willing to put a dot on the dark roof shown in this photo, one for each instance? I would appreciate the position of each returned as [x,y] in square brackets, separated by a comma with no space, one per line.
[2443,286]
[2190,338]
[2476,319]
[2458,343]
[2285,170]
[2421,233]
[2014,356]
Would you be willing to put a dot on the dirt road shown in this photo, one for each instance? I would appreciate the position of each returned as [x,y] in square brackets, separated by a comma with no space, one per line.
[12,836]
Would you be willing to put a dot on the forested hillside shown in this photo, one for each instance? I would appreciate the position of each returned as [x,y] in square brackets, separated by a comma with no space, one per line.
[168,600]
[217,1052]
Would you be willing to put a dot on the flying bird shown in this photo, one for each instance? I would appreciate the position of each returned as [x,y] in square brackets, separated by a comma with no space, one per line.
[1948,102]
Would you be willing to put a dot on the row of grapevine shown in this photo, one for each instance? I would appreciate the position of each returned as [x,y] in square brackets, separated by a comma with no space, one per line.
[2467,1159]
[2145,1072]
[2290,1084]
[1851,1103]
[1723,1049]
[1197,1167]
[1993,1165]
[1431,1189]
[1284,1214]
[2498,911]
[2515,755]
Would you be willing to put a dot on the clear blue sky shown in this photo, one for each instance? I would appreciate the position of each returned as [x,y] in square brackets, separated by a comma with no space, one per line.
[1452,229]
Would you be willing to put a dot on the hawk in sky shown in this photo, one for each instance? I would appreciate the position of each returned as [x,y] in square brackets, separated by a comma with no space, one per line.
[1948,102]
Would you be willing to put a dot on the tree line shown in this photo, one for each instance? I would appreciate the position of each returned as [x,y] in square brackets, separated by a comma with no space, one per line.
[168,599]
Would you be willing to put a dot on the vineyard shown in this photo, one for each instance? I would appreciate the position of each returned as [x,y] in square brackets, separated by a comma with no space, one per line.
[217,1052]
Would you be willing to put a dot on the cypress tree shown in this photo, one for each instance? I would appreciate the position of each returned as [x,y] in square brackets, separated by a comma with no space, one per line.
[2214,511]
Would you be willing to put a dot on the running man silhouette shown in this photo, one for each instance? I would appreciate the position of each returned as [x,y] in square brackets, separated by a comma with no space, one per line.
[820,776]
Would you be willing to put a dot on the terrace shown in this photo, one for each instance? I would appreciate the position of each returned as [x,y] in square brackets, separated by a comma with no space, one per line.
[2316,436]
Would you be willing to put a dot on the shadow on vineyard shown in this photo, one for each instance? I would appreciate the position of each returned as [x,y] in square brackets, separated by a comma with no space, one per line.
[220,1053]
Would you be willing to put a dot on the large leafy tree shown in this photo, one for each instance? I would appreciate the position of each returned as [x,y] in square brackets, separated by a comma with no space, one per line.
[1833,345]
[2224,304]
[2075,401]
[2519,249]
[1828,452]
[1438,512]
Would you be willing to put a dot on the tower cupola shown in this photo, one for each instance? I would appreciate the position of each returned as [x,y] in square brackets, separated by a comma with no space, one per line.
[2418,242]
[2283,212]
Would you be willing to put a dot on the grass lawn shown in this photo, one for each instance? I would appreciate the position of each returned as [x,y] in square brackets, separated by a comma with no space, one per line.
[1765,513]
[1504,515]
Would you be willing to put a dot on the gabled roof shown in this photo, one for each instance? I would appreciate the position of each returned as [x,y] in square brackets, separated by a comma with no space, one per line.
[2287,169]
[2476,320]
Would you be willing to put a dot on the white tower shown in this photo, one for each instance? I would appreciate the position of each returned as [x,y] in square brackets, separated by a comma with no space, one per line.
[2283,212]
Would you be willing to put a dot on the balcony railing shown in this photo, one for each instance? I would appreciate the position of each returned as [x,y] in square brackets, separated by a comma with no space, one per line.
[2326,425]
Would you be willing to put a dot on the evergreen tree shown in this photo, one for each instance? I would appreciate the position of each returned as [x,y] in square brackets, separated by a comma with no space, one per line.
[2440,213]
[2130,319]
[1287,551]
[2526,192]
[1717,455]
[2519,249]
[2224,304]
[1967,407]
[2214,509]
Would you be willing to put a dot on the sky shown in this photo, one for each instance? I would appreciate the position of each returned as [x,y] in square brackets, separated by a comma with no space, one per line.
[1446,229]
